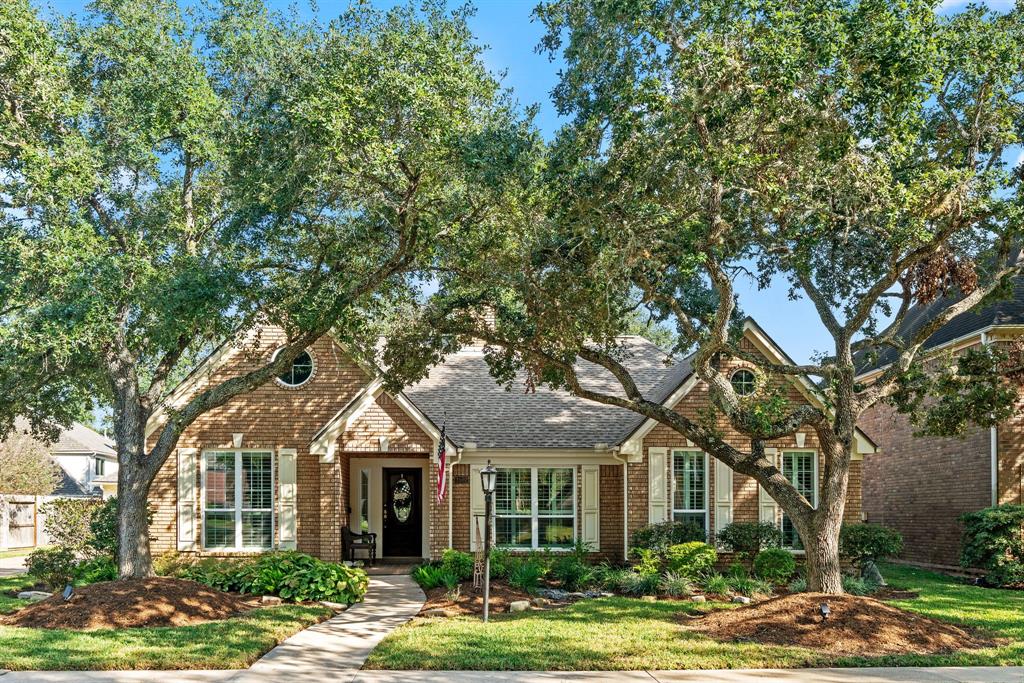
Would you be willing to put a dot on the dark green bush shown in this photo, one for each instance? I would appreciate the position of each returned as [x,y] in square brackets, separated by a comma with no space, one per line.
[640,583]
[502,563]
[855,585]
[219,574]
[775,565]
[692,559]
[103,527]
[863,542]
[101,568]
[993,540]
[54,567]
[572,572]
[458,563]
[299,577]
[749,538]
[526,576]
[660,536]
[428,576]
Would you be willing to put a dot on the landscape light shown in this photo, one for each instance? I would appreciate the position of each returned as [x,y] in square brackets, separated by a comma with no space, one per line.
[825,611]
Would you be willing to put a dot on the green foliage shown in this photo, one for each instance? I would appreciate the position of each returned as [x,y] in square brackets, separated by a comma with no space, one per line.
[749,538]
[862,542]
[26,467]
[749,587]
[675,585]
[458,563]
[639,583]
[717,584]
[660,536]
[220,574]
[54,567]
[572,572]
[526,576]
[610,577]
[99,568]
[67,522]
[775,565]
[993,540]
[502,563]
[299,577]
[103,526]
[692,559]
[647,561]
[798,585]
[737,570]
[430,576]
[172,563]
[856,585]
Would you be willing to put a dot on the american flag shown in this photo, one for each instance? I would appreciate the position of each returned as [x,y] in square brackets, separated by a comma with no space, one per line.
[442,454]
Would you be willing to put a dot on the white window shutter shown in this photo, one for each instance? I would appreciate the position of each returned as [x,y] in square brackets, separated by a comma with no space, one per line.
[591,506]
[287,481]
[768,507]
[657,491]
[476,509]
[723,495]
[187,498]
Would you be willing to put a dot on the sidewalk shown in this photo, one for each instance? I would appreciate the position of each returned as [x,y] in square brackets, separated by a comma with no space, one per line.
[9,566]
[991,674]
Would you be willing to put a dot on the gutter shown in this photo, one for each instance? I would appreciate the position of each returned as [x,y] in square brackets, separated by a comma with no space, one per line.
[625,501]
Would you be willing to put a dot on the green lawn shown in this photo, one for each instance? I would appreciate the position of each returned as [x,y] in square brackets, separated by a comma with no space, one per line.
[19,552]
[623,634]
[231,644]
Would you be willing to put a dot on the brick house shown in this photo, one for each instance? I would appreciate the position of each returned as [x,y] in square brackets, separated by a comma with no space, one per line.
[326,447]
[921,485]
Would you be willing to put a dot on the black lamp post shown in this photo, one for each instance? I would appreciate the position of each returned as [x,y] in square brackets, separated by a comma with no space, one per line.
[488,479]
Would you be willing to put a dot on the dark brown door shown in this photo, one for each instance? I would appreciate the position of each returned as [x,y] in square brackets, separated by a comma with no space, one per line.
[403,528]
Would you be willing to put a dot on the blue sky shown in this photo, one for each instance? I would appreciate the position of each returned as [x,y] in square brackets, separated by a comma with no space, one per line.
[510,34]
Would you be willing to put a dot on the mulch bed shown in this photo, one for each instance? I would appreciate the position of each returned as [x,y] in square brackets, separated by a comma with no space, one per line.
[471,600]
[857,626]
[156,601]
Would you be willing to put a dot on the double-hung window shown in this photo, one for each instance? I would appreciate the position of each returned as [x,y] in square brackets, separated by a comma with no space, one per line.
[238,500]
[535,507]
[801,469]
[690,487]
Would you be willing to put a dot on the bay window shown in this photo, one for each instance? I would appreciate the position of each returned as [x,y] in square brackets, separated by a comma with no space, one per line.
[801,469]
[690,487]
[238,500]
[535,507]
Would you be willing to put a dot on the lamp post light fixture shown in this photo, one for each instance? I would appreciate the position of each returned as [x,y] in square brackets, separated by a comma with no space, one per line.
[488,480]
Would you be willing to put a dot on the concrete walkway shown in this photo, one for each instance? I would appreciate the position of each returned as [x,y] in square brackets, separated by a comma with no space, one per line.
[990,674]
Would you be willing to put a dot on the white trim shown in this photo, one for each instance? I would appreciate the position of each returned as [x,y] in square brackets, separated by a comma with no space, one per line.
[672,489]
[312,372]
[993,445]
[237,452]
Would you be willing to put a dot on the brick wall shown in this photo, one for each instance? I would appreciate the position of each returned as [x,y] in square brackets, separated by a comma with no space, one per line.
[272,417]
[611,511]
[1010,443]
[921,485]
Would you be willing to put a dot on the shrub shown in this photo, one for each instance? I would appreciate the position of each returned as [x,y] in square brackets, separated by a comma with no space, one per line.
[572,572]
[458,563]
[54,567]
[660,536]
[428,576]
[640,583]
[716,584]
[993,540]
[222,575]
[749,538]
[798,585]
[737,570]
[502,563]
[101,568]
[750,587]
[526,575]
[676,585]
[299,577]
[67,522]
[172,563]
[863,542]
[775,565]
[610,578]
[103,527]
[855,585]
[648,561]
[691,559]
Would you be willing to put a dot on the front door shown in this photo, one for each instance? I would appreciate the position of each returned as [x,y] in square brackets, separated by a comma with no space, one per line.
[403,528]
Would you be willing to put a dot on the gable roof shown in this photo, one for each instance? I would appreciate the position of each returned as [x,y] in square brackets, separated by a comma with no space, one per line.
[81,439]
[461,394]
[1004,312]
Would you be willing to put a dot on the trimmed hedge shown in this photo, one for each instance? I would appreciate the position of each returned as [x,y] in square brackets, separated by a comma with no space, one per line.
[660,536]
[993,540]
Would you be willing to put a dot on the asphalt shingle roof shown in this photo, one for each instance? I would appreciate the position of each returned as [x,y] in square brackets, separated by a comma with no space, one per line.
[82,439]
[461,393]
[1004,312]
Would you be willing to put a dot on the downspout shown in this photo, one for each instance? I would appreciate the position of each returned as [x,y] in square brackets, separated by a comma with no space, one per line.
[448,480]
[625,501]
[993,436]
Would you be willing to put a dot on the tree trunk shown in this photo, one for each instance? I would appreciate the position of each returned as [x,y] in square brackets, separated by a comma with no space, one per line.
[133,556]
[821,548]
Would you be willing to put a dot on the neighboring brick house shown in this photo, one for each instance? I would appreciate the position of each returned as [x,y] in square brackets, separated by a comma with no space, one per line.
[325,447]
[921,485]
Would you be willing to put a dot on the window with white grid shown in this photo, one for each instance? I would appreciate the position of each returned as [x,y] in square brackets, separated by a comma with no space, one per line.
[238,500]
[690,487]
[535,507]
[801,469]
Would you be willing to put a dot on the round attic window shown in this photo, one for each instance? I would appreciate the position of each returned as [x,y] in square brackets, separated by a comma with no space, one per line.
[299,373]
[743,382]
